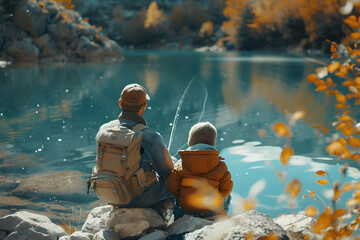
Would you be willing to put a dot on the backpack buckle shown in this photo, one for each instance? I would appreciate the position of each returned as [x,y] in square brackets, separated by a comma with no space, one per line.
[123,157]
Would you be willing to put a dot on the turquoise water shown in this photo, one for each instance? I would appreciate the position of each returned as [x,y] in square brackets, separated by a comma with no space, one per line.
[49,115]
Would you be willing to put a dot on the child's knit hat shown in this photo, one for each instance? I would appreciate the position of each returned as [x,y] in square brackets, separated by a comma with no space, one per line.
[202,132]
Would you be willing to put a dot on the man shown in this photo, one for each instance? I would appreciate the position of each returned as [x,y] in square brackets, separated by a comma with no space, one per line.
[155,158]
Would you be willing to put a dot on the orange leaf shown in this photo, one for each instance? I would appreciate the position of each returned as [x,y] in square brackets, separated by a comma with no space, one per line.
[286,154]
[322,182]
[341,125]
[330,92]
[355,35]
[311,211]
[339,97]
[321,173]
[340,106]
[281,130]
[311,77]
[333,67]
[348,131]
[354,142]
[321,88]
[329,82]
[293,188]
[348,83]
[333,47]
[345,118]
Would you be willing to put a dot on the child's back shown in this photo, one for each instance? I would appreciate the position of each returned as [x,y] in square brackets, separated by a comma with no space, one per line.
[203,180]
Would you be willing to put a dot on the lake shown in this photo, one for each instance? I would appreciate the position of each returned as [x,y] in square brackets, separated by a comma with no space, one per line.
[49,116]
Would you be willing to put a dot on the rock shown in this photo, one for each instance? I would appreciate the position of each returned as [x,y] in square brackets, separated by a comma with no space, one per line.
[67,185]
[187,224]
[28,16]
[296,225]
[126,222]
[106,235]
[97,219]
[93,51]
[85,29]
[2,234]
[24,50]
[133,222]
[258,224]
[25,225]
[86,47]
[132,229]
[63,32]
[78,235]
[46,45]
[156,235]
[10,32]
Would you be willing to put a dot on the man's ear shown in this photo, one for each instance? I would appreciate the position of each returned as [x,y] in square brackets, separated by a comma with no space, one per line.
[120,104]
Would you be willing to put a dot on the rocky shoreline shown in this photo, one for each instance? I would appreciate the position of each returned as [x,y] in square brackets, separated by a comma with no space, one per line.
[44,30]
[108,223]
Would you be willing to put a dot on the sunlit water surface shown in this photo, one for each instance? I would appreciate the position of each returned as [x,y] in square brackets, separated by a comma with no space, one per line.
[49,116]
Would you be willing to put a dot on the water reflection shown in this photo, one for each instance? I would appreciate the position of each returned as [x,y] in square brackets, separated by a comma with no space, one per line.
[49,115]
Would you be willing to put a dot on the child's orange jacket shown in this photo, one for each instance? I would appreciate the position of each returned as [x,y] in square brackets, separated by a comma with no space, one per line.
[199,165]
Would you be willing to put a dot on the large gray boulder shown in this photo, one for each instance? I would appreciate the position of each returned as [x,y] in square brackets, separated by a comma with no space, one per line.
[97,219]
[240,226]
[126,222]
[27,226]
[297,226]
[29,16]
[187,224]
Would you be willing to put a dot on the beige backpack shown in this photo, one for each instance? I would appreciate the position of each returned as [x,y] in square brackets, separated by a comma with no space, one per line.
[117,177]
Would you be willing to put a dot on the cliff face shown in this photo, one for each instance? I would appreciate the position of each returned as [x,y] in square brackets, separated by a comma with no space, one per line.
[42,29]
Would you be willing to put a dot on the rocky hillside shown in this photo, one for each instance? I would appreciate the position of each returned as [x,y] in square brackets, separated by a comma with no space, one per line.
[44,29]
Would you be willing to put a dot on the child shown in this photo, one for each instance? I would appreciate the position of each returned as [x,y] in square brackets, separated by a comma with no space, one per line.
[201,182]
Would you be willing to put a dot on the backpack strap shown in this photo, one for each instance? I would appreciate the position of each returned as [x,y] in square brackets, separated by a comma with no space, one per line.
[139,127]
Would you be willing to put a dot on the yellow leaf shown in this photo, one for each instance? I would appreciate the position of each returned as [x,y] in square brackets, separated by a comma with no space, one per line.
[311,211]
[286,154]
[321,173]
[348,187]
[293,188]
[322,182]
[323,222]
[333,67]
[281,130]
[249,204]
[312,194]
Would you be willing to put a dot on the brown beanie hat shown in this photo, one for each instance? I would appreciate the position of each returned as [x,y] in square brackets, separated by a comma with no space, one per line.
[202,132]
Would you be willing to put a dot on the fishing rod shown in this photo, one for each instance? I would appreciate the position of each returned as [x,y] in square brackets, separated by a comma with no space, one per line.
[176,117]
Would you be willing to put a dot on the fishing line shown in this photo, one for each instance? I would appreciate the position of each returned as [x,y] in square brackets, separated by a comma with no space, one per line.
[176,117]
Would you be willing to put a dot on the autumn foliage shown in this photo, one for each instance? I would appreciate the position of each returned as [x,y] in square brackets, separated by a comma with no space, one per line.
[272,23]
